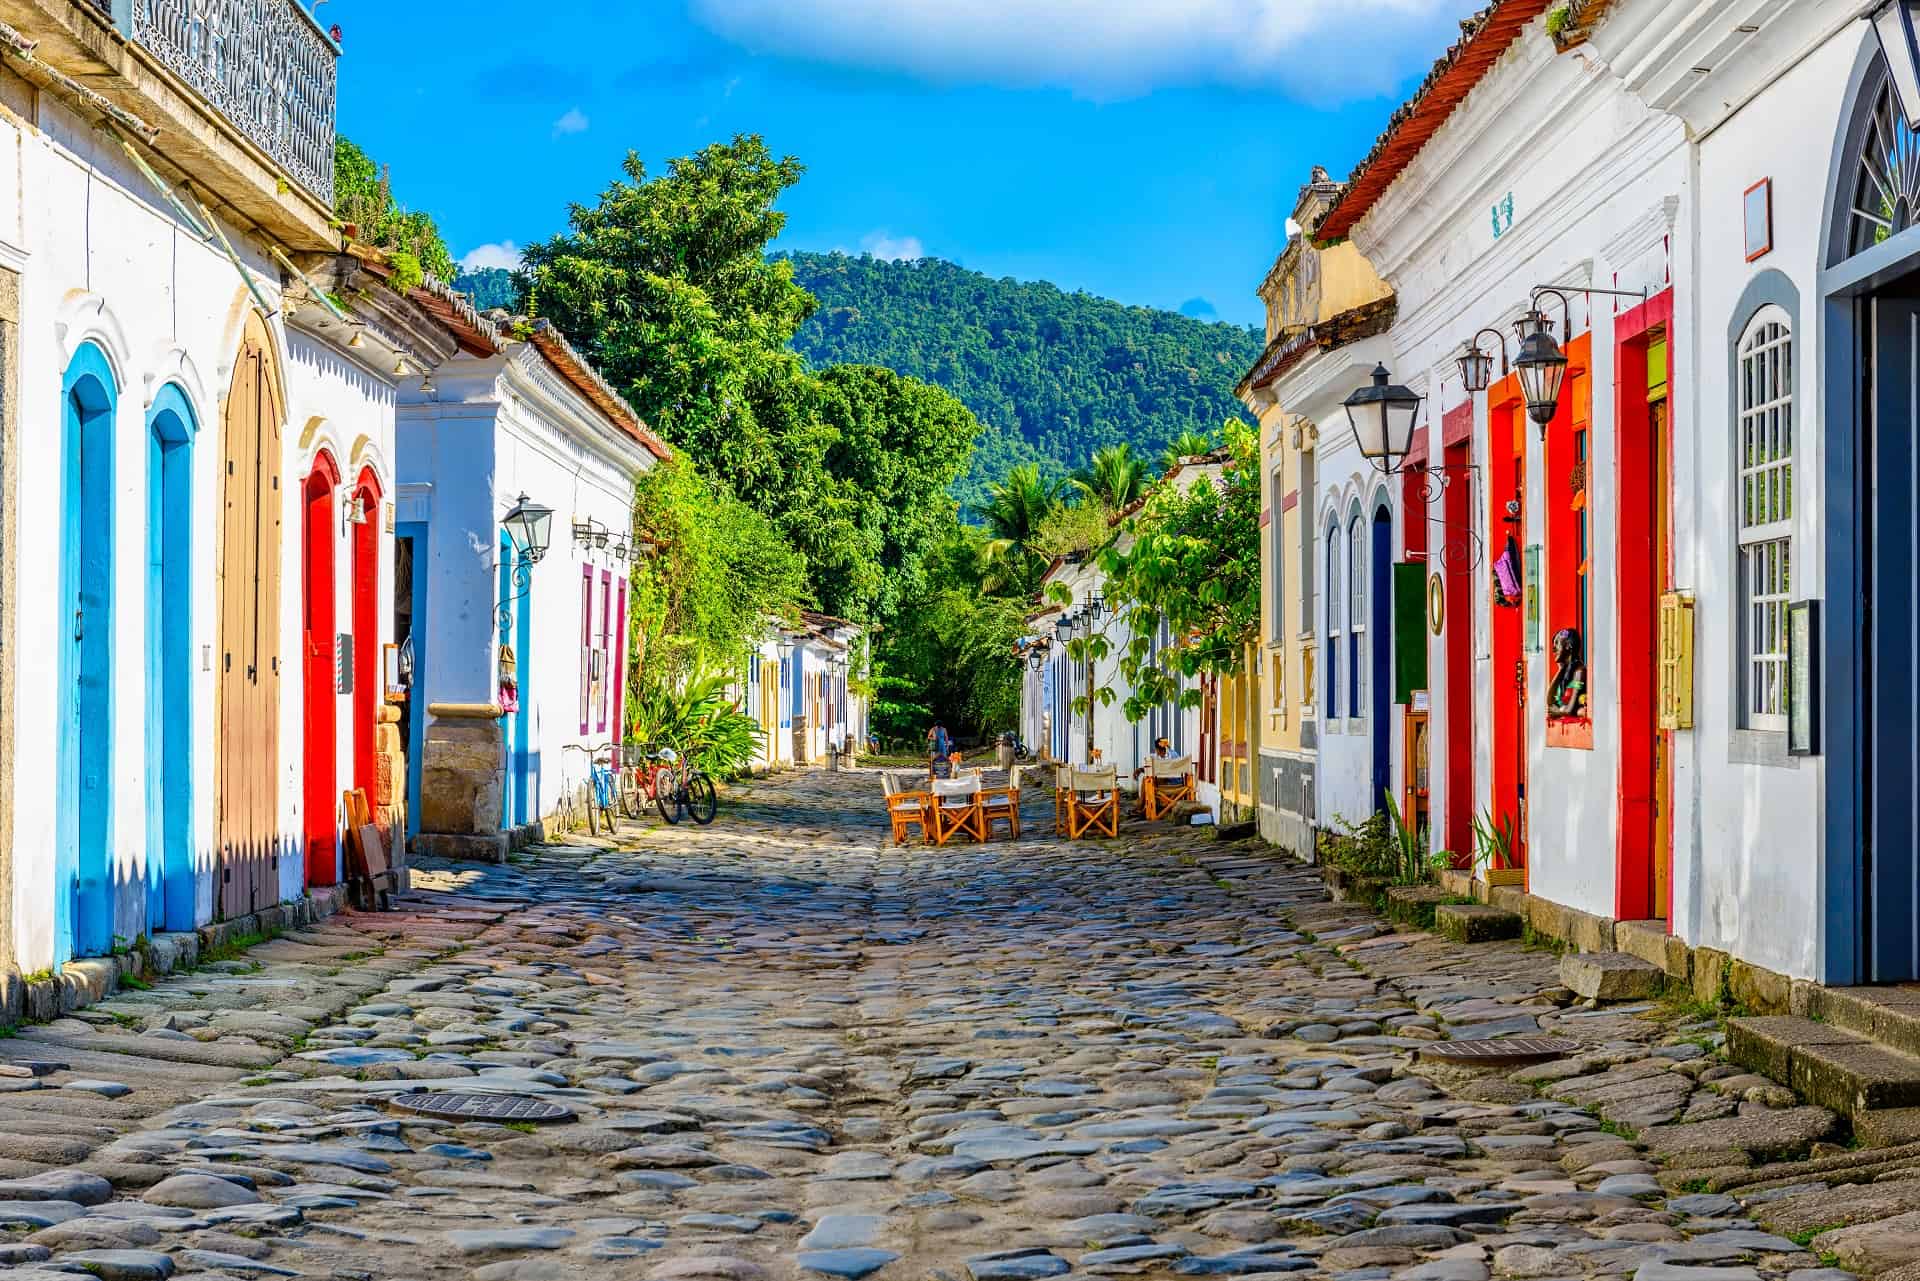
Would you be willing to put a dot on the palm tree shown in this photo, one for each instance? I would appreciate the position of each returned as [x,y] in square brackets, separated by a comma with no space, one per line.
[1188,444]
[1113,477]
[1015,509]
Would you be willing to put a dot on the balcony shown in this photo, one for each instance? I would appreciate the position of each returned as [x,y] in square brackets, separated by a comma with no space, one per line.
[235,97]
[263,64]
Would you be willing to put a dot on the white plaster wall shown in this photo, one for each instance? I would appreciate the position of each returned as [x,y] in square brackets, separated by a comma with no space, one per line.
[490,431]
[1752,884]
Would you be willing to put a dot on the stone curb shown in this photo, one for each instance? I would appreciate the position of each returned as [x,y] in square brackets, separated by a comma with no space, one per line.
[91,979]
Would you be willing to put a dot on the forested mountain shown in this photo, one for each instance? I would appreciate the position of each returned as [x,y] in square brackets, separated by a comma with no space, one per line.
[1052,376]
[489,287]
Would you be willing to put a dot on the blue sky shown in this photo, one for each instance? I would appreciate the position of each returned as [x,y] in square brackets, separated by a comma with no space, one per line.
[1146,150]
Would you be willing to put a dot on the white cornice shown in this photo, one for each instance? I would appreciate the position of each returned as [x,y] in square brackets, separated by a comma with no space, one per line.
[1691,57]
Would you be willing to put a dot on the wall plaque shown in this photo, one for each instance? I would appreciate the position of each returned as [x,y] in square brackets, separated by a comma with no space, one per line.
[1803,678]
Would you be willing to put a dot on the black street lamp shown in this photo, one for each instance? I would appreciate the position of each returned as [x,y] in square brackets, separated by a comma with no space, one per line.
[1063,628]
[1894,23]
[1541,364]
[530,525]
[1382,415]
[1476,366]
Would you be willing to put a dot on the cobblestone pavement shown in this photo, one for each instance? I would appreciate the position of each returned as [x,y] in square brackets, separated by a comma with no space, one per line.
[795,1052]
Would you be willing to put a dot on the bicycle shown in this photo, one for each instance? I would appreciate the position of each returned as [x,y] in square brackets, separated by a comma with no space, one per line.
[655,778]
[602,788]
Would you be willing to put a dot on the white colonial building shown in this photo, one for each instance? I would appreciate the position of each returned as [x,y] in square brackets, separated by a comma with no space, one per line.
[517,649]
[194,536]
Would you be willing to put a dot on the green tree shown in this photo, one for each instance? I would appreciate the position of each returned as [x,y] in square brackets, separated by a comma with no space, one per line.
[665,284]
[1113,477]
[896,446]
[722,575]
[1190,563]
[1188,444]
[363,197]
[1015,510]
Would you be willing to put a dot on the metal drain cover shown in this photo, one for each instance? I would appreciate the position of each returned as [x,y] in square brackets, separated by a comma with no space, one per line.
[483,1107]
[1505,1051]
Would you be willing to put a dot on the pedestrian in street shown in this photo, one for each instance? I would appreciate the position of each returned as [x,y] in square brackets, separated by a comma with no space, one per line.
[939,742]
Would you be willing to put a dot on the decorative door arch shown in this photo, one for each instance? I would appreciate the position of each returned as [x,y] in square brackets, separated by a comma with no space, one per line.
[248,834]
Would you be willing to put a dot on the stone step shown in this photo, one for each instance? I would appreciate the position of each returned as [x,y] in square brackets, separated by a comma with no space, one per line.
[1415,904]
[1833,1067]
[1475,922]
[1610,976]
[1889,1015]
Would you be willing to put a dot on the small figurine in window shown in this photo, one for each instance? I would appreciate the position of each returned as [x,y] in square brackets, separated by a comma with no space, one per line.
[1567,695]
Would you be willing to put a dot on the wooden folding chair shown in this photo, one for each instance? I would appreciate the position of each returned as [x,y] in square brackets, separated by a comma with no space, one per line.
[371,877]
[1092,802]
[1168,782]
[907,805]
[1002,804]
[957,809]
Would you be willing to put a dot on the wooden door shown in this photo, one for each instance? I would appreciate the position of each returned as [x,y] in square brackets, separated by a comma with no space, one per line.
[320,703]
[248,836]
[1507,534]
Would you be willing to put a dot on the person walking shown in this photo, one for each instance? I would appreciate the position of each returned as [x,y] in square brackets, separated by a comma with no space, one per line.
[939,742]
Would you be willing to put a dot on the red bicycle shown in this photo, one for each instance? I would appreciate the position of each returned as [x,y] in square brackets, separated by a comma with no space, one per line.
[675,788]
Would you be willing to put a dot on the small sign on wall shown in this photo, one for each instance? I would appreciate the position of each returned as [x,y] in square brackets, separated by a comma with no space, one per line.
[1803,678]
[343,663]
[1757,216]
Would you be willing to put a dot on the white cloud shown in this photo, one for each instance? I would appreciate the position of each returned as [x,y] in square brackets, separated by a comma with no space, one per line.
[575,121]
[1330,50]
[884,244]
[505,254]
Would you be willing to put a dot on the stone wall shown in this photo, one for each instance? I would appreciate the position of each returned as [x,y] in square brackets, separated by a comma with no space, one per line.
[462,774]
[1286,803]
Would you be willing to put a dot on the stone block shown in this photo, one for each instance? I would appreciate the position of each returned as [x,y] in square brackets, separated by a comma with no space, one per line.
[1610,976]
[1457,883]
[1510,898]
[1650,941]
[1475,923]
[470,848]
[1768,1045]
[1709,973]
[1886,1128]
[1414,904]
[1547,918]
[1588,932]
[1761,991]
[1855,1077]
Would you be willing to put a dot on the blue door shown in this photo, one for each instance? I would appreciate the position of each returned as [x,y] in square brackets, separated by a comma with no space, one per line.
[170,875]
[83,909]
[410,634]
[514,622]
[1380,624]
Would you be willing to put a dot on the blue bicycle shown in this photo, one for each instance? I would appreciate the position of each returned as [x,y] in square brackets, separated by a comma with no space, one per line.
[602,790]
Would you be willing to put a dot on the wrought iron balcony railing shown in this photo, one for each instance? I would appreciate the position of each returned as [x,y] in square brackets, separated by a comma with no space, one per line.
[264,64]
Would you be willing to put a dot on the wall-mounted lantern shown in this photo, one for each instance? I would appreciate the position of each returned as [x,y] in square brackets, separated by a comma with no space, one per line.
[1541,364]
[1476,366]
[1383,415]
[530,525]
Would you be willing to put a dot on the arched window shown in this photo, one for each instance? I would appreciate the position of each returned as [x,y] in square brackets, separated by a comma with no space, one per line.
[1883,172]
[1357,615]
[1764,445]
[1335,600]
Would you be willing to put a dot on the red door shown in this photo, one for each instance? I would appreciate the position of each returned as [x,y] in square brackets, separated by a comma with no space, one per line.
[1507,537]
[320,801]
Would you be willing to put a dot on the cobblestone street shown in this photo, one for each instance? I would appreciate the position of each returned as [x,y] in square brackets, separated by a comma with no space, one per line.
[795,1051]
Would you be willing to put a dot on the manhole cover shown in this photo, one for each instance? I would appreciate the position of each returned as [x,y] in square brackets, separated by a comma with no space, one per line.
[483,1107]
[1506,1051]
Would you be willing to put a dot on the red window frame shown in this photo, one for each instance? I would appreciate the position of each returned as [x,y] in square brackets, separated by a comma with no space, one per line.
[586,646]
